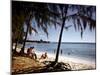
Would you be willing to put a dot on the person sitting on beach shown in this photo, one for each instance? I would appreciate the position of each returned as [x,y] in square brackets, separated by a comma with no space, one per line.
[44,56]
[31,52]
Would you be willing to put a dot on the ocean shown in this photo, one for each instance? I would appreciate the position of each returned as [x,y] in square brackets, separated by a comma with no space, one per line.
[85,51]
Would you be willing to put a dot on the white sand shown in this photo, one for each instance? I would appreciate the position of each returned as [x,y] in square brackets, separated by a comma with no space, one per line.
[75,63]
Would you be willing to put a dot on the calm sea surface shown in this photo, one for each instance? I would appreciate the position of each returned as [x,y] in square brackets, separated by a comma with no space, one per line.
[79,50]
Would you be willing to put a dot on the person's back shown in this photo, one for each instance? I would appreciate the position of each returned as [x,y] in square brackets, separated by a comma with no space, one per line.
[28,51]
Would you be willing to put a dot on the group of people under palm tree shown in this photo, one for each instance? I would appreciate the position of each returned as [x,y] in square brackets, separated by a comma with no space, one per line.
[31,53]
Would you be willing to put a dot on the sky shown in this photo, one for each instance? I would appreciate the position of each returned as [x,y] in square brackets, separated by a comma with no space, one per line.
[69,35]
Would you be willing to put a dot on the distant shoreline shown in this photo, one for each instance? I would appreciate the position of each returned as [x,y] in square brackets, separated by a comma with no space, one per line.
[75,42]
[62,42]
[43,41]
[35,41]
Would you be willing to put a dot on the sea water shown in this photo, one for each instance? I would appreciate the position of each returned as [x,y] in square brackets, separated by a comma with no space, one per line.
[85,51]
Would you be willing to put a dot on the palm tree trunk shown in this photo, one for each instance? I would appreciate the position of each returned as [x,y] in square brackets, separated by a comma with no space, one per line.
[59,42]
[22,50]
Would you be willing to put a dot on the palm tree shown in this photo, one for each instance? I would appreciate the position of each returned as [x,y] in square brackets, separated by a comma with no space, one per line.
[82,18]
[27,11]
[17,34]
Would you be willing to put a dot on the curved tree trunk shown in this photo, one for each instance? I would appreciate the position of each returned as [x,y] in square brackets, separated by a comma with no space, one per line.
[59,42]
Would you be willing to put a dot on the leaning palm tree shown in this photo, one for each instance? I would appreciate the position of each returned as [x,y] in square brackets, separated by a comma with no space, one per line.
[82,16]
[26,12]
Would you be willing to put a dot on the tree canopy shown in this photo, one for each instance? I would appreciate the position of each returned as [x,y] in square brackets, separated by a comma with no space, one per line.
[47,14]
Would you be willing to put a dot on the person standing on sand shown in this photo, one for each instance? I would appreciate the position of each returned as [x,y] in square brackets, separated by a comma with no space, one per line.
[54,51]
[61,51]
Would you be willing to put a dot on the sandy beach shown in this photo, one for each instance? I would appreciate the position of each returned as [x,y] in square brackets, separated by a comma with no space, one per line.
[75,63]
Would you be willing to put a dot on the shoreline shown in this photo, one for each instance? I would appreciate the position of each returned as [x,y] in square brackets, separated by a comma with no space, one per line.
[75,63]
